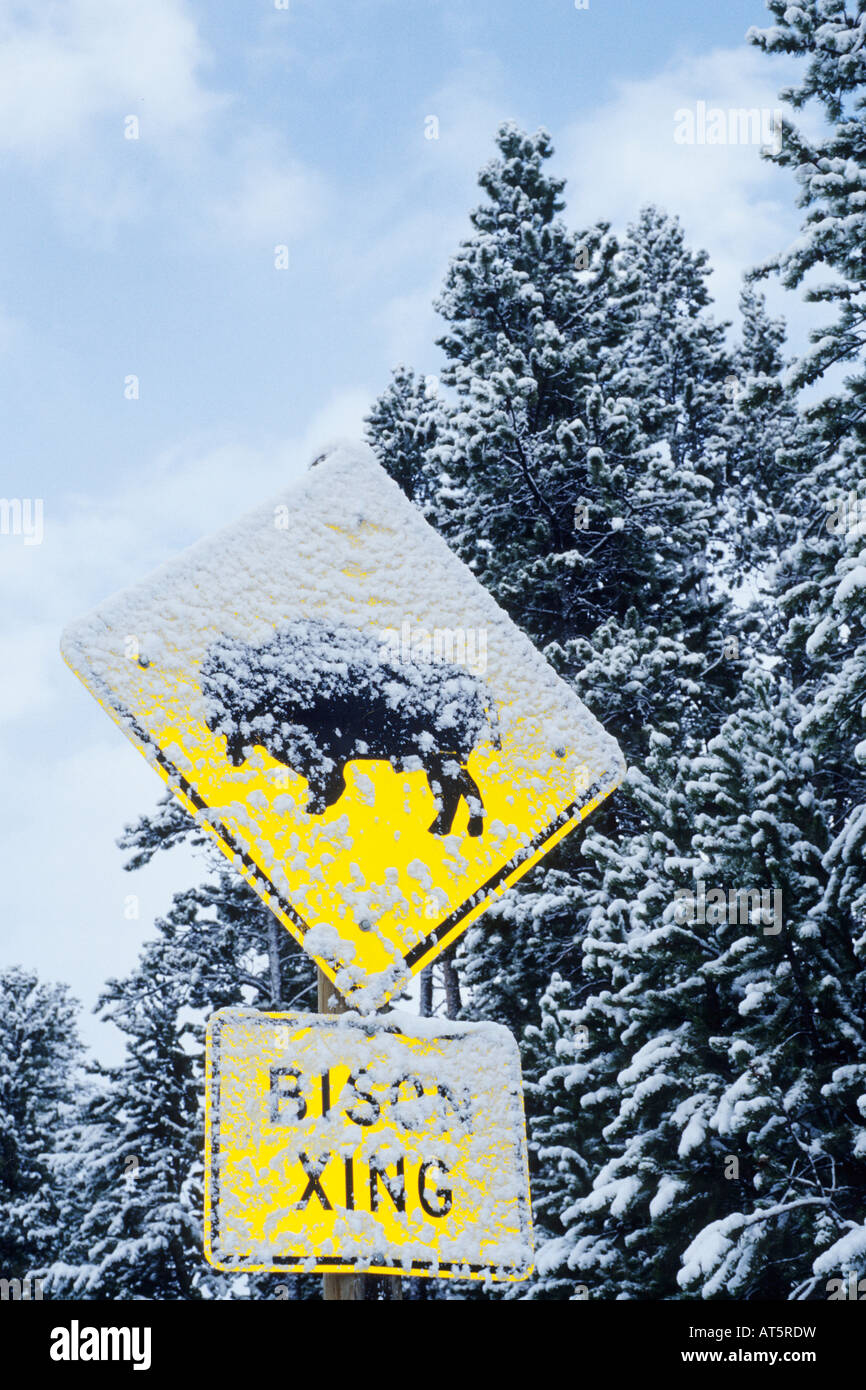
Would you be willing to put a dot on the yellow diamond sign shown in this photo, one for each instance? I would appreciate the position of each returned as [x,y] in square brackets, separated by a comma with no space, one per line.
[333,695]
[391,1145]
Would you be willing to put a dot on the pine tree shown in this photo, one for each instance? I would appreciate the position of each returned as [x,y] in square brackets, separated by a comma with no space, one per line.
[829,169]
[404,422]
[704,1097]
[219,939]
[572,479]
[138,1231]
[821,576]
[582,470]
[715,1101]
[796,990]
[629,1029]
[766,452]
[675,351]
[40,1071]
[555,490]
[826,500]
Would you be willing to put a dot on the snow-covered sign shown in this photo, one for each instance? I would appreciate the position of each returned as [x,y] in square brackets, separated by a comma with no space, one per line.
[392,1144]
[330,691]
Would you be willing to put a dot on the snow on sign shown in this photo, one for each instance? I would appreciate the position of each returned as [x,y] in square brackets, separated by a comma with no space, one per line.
[372,741]
[390,1144]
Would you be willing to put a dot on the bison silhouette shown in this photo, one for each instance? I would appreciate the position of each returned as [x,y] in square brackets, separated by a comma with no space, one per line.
[316,696]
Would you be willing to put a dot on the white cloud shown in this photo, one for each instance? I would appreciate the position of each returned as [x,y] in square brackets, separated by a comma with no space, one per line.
[97,542]
[9,327]
[270,197]
[28,657]
[66,908]
[67,64]
[73,73]
[410,325]
[469,108]
[408,227]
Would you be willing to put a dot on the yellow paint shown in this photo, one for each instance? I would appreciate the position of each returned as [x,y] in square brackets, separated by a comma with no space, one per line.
[371,838]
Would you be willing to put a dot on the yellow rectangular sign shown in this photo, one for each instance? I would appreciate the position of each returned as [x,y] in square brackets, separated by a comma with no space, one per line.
[391,1145]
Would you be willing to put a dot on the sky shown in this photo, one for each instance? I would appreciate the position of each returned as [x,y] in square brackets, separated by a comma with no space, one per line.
[161,375]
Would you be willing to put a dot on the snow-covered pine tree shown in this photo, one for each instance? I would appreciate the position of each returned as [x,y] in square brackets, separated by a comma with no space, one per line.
[792,990]
[404,422]
[553,489]
[139,1233]
[692,1082]
[766,451]
[675,361]
[822,577]
[625,1031]
[219,938]
[786,1089]
[40,1075]
[828,34]
[827,499]
[572,480]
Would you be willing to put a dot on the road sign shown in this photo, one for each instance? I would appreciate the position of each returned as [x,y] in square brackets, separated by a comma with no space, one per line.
[391,1144]
[374,744]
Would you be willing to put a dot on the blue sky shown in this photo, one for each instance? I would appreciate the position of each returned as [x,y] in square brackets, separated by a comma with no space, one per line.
[154,257]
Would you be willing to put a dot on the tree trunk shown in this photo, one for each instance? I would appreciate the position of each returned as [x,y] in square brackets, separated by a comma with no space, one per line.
[453,1001]
[426,1000]
[274,929]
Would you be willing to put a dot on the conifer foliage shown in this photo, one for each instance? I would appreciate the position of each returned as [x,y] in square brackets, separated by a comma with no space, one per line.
[40,1068]
[135,1158]
[694,1082]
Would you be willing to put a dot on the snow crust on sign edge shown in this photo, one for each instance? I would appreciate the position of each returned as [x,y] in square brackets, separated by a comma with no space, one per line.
[341,462]
[409,1025]
[71,634]
[341,467]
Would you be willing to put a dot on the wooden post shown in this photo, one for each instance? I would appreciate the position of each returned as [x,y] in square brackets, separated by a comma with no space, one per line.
[328,999]
[337,1287]
[350,1286]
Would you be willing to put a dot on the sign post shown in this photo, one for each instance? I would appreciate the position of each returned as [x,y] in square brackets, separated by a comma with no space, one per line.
[350,1287]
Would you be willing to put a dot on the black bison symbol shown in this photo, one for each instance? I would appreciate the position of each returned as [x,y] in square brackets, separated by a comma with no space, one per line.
[316,695]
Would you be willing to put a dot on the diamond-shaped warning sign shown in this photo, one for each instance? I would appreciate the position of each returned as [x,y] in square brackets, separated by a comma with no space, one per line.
[331,692]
